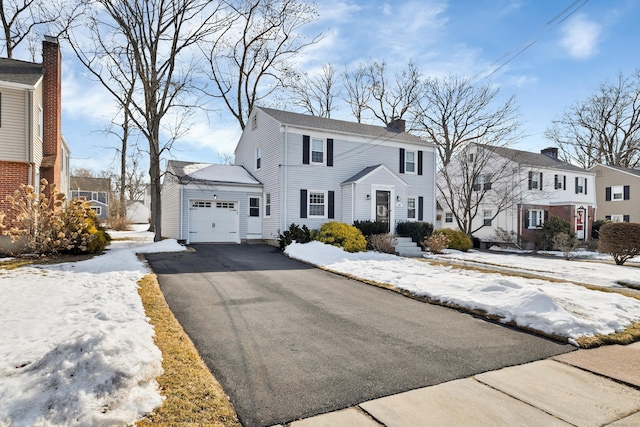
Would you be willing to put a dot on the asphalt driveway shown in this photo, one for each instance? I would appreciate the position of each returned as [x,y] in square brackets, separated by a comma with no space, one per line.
[288,341]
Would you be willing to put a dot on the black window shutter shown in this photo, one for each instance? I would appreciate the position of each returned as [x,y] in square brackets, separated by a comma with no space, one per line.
[526,219]
[303,203]
[607,194]
[530,179]
[402,160]
[555,182]
[332,199]
[608,217]
[585,185]
[540,187]
[576,185]
[546,215]
[625,218]
[306,149]
[329,152]
[627,192]
[419,162]
[420,208]
[564,182]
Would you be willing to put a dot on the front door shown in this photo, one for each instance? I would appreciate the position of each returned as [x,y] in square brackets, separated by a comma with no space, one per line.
[382,206]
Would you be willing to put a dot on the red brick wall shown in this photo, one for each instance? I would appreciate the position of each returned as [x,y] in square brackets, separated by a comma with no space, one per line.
[12,174]
[52,111]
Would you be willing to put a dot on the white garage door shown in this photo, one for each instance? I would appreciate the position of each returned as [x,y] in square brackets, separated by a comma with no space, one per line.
[213,221]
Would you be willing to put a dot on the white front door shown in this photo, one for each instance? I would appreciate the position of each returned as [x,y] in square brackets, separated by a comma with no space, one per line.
[213,221]
[254,218]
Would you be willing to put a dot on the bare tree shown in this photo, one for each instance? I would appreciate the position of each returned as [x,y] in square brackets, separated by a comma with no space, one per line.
[153,38]
[478,176]
[358,95]
[604,128]
[455,113]
[26,20]
[392,98]
[249,61]
[317,94]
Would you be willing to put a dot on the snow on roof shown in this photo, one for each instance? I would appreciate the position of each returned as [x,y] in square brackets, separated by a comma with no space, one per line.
[208,172]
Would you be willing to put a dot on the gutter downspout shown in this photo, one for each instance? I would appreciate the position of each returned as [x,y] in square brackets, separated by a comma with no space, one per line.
[29,115]
[286,178]
[181,221]
[435,191]
[353,202]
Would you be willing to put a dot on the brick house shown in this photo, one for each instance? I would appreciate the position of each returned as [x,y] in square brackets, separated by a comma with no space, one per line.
[31,142]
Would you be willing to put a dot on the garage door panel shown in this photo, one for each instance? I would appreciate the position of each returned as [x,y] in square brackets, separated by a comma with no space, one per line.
[213,221]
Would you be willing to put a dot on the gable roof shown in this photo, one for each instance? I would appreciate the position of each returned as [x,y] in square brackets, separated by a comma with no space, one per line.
[528,158]
[188,172]
[20,72]
[370,170]
[89,184]
[341,126]
[634,172]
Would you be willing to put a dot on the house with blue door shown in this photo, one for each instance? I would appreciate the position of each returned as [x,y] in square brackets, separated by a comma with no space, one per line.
[307,170]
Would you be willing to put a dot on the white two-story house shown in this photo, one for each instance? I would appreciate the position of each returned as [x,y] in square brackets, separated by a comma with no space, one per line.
[307,170]
[531,187]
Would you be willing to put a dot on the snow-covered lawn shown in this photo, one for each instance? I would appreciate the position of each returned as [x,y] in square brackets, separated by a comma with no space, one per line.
[561,309]
[76,347]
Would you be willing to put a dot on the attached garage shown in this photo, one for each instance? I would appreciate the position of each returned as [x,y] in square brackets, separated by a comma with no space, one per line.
[208,203]
[213,221]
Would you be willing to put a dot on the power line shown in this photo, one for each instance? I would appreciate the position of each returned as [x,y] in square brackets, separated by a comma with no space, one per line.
[556,20]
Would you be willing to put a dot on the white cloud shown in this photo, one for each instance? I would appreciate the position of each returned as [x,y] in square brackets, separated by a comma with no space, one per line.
[581,37]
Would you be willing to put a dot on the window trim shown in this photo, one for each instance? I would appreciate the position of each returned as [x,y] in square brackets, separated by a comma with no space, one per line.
[258,158]
[535,181]
[267,205]
[96,209]
[325,196]
[614,192]
[414,208]
[540,218]
[448,217]
[617,218]
[414,162]
[324,151]
[487,221]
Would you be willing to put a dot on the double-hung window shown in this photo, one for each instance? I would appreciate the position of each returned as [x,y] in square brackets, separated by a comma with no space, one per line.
[535,181]
[258,158]
[536,218]
[487,216]
[617,192]
[410,162]
[560,182]
[317,204]
[448,217]
[317,151]
[482,182]
[267,205]
[411,208]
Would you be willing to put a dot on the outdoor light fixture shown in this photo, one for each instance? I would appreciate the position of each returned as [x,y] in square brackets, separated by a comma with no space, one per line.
[368,197]
[215,197]
[397,198]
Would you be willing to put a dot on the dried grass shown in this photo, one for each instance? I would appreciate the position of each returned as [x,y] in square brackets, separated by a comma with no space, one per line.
[193,396]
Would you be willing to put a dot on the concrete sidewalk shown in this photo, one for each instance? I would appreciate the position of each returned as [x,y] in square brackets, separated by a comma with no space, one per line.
[597,387]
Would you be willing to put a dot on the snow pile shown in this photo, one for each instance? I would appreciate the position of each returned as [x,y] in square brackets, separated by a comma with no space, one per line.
[76,347]
[561,309]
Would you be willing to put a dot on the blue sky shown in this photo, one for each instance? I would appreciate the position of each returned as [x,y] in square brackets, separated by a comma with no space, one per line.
[567,62]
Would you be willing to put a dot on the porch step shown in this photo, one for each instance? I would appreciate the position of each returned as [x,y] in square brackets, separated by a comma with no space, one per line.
[407,248]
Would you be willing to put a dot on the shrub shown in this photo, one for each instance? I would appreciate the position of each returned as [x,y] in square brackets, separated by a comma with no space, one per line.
[294,233]
[436,242]
[418,231]
[566,243]
[457,239]
[621,240]
[342,235]
[45,226]
[595,228]
[118,223]
[369,227]
[551,227]
[385,243]
[507,238]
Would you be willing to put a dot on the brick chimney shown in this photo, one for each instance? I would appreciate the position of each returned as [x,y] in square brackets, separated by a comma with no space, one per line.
[550,151]
[397,124]
[51,110]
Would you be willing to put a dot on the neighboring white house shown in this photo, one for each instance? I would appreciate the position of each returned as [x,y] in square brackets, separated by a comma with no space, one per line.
[538,186]
[307,170]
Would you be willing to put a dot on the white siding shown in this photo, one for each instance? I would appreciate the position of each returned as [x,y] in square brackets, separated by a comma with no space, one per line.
[170,204]
[268,137]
